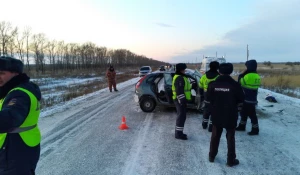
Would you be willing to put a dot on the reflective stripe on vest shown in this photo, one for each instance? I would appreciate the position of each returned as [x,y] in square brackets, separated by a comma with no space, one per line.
[251,81]
[187,88]
[29,130]
[204,81]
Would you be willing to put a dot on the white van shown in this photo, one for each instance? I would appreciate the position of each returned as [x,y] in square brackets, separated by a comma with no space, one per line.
[207,60]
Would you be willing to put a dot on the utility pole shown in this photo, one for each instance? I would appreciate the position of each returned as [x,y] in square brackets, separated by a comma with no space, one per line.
[247,52]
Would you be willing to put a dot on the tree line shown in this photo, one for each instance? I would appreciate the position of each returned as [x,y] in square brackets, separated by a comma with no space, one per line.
[55,56]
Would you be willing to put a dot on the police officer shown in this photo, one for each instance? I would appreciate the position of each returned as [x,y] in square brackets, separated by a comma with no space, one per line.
[208,77]
[181,89]
[224,97]
[19,112]
[250,81]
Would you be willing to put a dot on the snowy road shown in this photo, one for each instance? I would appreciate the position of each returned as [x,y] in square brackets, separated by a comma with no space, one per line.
[84,139]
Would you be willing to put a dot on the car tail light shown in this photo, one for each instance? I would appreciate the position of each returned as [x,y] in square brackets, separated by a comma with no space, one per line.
[140,82]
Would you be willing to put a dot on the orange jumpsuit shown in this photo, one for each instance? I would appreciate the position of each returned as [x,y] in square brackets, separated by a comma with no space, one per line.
[111,78]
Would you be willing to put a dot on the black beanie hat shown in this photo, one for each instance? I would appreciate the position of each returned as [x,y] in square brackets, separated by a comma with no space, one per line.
[180,66]
[226,68]
[11,64]
[214,65]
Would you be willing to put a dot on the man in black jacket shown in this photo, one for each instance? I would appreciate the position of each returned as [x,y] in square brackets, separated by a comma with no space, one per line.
[224,97]
[19,112]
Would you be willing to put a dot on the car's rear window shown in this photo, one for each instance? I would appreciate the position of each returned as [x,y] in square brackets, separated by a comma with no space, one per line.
[145,68]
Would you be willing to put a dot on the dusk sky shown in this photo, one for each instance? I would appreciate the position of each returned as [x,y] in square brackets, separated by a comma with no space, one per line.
[168,30]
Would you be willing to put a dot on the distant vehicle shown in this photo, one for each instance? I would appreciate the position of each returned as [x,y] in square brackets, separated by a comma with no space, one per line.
[156,89]
[162,68]
[144,70]
[207,60]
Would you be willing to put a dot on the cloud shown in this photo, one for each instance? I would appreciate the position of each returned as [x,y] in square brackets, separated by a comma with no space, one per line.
[272,36]
[163,24]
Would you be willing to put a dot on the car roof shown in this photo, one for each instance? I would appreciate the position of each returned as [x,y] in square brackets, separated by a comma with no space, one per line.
[188,71]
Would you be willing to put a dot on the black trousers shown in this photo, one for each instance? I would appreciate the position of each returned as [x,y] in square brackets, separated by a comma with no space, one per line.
[181,116]
[206,110]
[17,172]
[248,110]
[215,141]
[206,113]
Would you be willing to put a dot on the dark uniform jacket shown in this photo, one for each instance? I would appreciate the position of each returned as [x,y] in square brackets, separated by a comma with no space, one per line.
[250,94]
[15,155]
[224,95]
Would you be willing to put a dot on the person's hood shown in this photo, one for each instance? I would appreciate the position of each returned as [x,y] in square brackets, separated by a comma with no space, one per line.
[251,65]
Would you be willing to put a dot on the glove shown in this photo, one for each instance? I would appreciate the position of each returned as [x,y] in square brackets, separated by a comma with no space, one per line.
[240,107]
[194,85]
[182,102]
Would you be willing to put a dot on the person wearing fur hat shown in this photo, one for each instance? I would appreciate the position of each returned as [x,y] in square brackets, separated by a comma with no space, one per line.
[224,98]
[250,81]
[208,77]
[19,112]
[111,78]
[181,90]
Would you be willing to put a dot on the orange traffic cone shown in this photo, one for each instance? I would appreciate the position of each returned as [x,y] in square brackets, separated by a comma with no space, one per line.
[123,124]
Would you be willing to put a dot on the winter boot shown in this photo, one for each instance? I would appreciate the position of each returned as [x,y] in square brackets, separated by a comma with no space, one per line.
[254,131]
[211,159]
[180,135]
[116,90]
[241,127]
[210,127]
[232,163]
[204,125]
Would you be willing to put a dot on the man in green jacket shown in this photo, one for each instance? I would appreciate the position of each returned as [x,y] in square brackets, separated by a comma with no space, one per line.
[211,75]
[181,90]
[250,82]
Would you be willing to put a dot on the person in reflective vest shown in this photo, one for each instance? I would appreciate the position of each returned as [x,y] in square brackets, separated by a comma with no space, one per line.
[181,89]
[19,112]
[211,75]
[250,82]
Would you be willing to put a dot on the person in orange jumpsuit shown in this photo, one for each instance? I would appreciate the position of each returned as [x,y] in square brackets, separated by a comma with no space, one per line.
[111,78]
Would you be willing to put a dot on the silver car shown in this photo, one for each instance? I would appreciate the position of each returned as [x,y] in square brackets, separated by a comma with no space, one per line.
[156,89]
[144,70]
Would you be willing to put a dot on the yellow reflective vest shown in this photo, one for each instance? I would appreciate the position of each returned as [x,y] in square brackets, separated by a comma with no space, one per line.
[250,81]
[204,81]
[187,88]
[29,130]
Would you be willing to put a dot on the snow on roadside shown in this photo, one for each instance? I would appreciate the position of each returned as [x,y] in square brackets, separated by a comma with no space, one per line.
[62,106]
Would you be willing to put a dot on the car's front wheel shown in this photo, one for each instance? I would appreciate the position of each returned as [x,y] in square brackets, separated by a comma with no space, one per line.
[147,104]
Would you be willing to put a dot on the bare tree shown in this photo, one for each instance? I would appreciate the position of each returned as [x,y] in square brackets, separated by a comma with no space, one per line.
[20,46]
[38,46]
[7,32]
[27,33]
[60,54]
